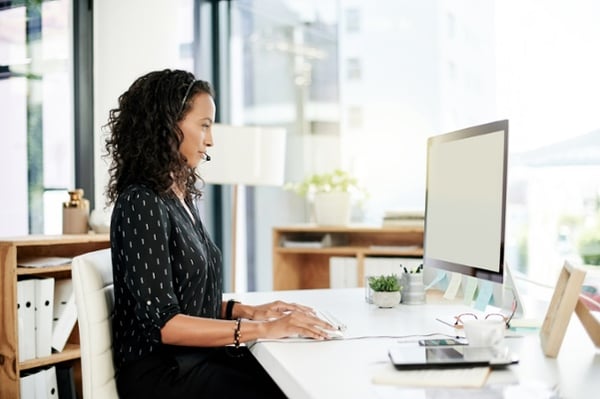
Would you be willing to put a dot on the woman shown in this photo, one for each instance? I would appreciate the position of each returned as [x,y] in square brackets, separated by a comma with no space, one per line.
[170,325]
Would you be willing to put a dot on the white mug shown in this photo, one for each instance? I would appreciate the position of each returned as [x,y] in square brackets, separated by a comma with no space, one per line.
[484,332]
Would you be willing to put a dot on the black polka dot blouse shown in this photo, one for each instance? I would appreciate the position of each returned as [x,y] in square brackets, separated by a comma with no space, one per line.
[163,264]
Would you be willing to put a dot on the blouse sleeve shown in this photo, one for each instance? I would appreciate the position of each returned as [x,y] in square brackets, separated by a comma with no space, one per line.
[144,235]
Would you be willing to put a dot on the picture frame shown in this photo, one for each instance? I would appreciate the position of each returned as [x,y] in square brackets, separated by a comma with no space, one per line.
[566,300]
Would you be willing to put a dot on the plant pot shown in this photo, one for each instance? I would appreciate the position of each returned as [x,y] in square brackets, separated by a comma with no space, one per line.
[332,209]
[386,299]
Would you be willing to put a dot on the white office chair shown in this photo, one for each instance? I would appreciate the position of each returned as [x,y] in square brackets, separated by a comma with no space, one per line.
[94,297]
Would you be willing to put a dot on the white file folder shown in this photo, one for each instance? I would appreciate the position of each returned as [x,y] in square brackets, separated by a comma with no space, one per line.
[27,386]
[65,313]
[44,310]
[343,271]
[26,319]
[45,384]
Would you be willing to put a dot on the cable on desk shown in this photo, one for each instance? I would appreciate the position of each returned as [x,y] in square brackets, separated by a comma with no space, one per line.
[310,340]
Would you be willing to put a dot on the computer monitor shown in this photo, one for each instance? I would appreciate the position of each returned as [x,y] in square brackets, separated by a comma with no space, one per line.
[465,203]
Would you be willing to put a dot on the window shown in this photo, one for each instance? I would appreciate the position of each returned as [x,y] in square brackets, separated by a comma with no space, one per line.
[355,117]
[354,71]
[432,67]
[352,20]
[36,160]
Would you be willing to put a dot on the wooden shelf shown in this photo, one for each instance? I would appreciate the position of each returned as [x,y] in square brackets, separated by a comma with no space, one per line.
[305,266]
[352,251]
[13,250]
[43,271]
[70,352]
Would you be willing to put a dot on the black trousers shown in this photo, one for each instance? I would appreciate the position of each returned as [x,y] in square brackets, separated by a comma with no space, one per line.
[224,373]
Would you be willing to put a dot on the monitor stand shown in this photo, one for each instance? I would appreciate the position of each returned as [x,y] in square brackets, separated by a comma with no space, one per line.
[504,295]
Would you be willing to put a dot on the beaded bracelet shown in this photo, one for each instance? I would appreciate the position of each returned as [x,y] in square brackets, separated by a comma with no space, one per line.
[237,335]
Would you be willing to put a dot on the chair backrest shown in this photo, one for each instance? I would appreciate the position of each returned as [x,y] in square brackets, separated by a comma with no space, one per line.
[94,297]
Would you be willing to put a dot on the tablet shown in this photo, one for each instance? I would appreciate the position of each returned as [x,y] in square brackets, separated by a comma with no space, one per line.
[423,357]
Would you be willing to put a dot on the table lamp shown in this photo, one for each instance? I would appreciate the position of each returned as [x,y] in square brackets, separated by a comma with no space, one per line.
[244,155]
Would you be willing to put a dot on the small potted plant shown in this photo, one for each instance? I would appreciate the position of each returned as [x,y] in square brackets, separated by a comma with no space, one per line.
[386,290]
[331,195]
[589,247]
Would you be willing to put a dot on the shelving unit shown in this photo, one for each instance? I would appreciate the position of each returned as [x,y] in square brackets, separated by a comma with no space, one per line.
[300,263]
[11,251]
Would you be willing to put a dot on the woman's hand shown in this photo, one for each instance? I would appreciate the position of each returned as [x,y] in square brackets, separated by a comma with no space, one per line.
[297,323]
[281,319]
[277,309]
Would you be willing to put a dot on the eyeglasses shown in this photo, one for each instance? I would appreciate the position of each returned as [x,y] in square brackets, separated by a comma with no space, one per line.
[461,318]
[187,93]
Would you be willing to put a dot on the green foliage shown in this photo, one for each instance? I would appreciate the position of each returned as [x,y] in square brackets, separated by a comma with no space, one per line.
[589,243]
[336,181]
[384,283]
[589,247]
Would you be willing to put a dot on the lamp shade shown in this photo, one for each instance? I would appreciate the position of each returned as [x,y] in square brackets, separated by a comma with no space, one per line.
[253,156]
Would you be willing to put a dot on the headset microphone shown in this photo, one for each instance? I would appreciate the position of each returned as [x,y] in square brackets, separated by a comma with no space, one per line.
[206,157]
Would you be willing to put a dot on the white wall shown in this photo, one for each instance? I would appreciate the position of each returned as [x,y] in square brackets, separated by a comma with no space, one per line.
[131,37]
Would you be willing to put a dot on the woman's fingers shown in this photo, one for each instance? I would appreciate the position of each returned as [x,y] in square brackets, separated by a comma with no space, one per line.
[303,324]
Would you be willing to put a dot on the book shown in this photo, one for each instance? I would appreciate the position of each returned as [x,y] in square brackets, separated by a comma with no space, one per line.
[409,218]
[324,241]
[473,377]
[44,261]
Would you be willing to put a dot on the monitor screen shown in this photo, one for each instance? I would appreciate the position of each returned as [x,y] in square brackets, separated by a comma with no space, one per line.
[465,201]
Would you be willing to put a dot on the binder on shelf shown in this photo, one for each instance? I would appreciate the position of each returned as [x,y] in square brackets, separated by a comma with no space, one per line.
[44,310]
[26,319]
[343,272]
[27,386]
[65,313]
[45,384]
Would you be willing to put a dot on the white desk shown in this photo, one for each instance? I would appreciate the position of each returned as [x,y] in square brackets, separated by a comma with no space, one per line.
[344,368]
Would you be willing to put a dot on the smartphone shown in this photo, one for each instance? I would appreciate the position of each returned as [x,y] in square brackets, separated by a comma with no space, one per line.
[440,342]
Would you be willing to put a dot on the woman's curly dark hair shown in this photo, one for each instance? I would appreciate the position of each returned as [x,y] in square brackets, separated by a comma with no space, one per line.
[144,137]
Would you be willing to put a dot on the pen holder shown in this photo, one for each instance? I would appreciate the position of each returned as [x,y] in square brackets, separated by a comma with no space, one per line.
[368,291]
[413,289]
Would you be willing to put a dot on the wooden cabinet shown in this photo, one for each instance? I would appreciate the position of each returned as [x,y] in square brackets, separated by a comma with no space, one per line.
[11,251]
[301,253]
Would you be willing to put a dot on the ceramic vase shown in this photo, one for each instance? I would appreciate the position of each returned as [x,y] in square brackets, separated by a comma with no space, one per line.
[386,299]
[332,209]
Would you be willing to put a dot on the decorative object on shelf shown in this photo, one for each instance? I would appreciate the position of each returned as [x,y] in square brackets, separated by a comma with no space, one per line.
[100,220]
[331,194]
[386,290]
[76,213]
[413,289]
